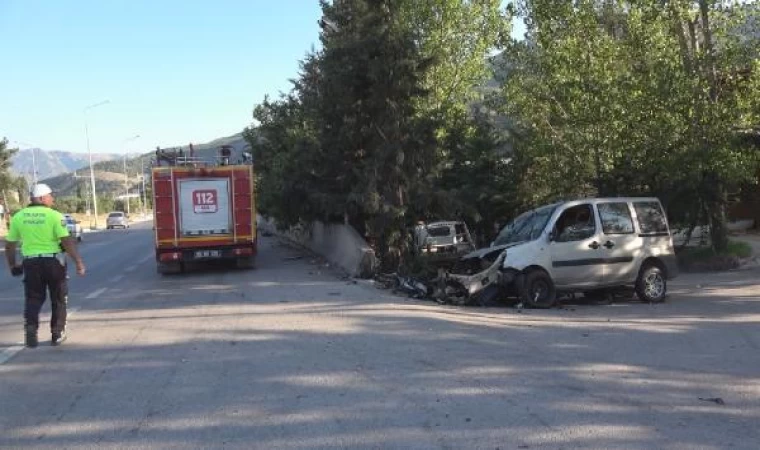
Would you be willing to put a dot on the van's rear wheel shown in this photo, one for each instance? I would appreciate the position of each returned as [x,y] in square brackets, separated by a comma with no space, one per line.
[651,285]
[538,290]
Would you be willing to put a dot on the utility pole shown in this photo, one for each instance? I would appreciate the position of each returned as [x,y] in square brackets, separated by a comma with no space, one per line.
[86,194]
[126,176]
[142,176]
[126,184]
[34,167]
[89,152]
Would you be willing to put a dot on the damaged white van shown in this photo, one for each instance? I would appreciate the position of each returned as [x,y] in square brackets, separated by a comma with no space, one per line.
[586,246]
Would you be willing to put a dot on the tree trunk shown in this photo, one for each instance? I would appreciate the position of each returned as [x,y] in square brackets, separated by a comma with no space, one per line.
[719,223]
[704,10]
[6,212]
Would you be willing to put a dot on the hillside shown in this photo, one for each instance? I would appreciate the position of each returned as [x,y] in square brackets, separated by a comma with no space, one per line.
[51,163]
[109,174]
[106,183]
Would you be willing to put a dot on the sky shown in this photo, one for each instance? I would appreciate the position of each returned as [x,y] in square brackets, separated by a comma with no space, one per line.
[172,72]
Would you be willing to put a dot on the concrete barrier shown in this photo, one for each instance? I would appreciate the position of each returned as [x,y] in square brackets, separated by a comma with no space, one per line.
[340,244]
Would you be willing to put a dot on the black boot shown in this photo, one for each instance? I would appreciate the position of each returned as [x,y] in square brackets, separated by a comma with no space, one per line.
[30,338]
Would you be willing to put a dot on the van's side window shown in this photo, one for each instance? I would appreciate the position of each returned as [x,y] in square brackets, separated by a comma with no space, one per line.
[651,218]
[616,218]
[575,224]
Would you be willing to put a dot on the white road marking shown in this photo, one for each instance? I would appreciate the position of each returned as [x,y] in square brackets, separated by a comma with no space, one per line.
[116,279]
[130,269]
[8,353]
[96,293]
[741,283]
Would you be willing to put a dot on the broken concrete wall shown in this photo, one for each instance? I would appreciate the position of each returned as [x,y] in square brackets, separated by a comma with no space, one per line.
[338,243]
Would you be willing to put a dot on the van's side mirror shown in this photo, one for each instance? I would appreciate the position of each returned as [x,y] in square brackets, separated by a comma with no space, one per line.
[553,235]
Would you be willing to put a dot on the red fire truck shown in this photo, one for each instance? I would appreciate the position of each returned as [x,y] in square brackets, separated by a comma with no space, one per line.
[202,210]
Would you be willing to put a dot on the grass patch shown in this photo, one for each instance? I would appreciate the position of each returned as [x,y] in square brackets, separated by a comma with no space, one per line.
[735,248]
[704,258]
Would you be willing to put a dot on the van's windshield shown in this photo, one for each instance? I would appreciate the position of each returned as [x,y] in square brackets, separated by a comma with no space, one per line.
[526,227]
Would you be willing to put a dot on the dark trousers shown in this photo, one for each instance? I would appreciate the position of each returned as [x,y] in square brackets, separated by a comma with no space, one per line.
[41,275]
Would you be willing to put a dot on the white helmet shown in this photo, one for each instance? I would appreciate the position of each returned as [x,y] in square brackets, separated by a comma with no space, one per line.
[40,190]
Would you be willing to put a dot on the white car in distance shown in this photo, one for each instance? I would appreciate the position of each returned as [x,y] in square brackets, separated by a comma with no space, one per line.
[74,227]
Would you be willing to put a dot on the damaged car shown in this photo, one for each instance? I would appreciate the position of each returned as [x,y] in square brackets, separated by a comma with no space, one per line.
[589,246]
[443,238]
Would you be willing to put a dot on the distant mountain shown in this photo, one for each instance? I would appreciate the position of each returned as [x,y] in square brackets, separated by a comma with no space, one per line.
[51,163]
[109,172]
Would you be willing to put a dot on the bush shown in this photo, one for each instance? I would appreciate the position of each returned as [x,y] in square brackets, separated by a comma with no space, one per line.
[704,258]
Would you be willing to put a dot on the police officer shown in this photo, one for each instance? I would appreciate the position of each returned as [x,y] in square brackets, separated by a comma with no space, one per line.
[42,232]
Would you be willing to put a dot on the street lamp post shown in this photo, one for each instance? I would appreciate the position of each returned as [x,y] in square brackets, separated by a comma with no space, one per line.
[126,176]
[86,193]
[142,176]
[126,185]
[89,152]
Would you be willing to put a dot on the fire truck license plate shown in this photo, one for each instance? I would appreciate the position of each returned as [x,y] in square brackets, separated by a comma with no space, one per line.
[207,254]
[205,201]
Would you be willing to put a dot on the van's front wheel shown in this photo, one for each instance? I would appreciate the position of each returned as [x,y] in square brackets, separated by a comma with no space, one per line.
[538,290]
[651,285]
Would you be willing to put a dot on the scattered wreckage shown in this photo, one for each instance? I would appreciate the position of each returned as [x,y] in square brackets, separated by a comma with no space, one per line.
[597,247]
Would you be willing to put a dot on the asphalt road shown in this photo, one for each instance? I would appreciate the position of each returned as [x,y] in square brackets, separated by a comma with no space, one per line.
[292,356]
[110,257]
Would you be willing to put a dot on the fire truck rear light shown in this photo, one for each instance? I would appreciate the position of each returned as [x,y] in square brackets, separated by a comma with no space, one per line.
[173,256]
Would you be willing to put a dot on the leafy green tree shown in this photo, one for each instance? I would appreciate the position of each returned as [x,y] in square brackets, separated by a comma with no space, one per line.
[6,153]
[370,126]
[282,145]
[477,186]
[8,182]
[106,204]
[456,36]
[632,98]
[373,79]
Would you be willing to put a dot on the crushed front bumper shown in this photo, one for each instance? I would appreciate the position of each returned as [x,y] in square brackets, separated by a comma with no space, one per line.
[469,286]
